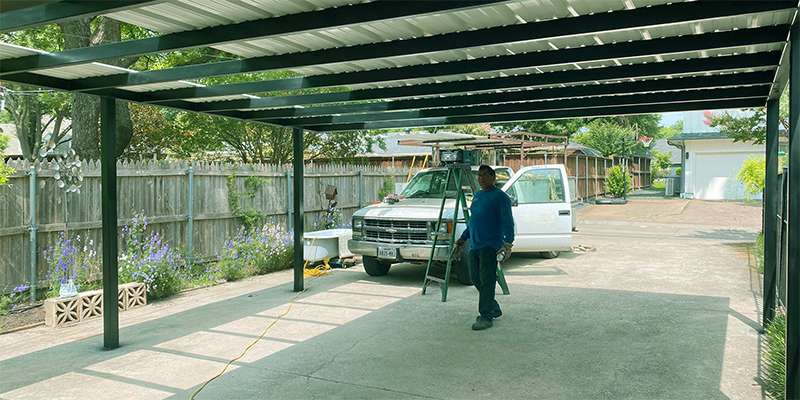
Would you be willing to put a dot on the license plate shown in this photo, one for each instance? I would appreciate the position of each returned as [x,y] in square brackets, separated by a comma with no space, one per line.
[387,252]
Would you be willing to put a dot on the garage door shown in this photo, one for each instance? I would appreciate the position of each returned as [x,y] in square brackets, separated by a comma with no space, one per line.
[715,176]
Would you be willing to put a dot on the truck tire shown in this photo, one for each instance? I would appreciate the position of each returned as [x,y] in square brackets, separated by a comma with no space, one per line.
[375,267]
[549,254]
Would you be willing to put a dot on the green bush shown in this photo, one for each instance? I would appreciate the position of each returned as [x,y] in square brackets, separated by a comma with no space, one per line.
[775,358]
[752,175]
[660,163]
[5,171]
[618,181]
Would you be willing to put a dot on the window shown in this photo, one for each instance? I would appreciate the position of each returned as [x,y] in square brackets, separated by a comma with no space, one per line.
[502,176]
[538,186]
[430,184]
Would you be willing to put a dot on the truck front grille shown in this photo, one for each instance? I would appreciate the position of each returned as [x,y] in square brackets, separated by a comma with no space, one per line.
[396,231]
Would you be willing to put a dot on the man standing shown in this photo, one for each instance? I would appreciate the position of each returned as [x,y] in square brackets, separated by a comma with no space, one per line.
[490,228]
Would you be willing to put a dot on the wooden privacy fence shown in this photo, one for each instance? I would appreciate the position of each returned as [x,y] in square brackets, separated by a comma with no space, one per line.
[187,203]
[587,174]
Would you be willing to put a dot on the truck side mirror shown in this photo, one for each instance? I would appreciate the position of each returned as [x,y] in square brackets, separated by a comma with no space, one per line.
[514,201]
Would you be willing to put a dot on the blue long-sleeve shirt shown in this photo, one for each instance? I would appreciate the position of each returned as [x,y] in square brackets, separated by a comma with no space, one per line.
[491,223]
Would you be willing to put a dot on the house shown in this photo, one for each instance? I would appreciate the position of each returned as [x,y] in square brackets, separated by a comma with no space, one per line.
[711,161]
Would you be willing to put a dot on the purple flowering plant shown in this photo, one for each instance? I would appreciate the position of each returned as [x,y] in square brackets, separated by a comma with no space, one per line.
[256,251]
[10,302]
[71,258]
[147,258]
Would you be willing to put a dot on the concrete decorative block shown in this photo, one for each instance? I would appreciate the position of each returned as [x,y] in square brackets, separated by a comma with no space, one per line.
[91,304]
[136,294]
[61,312]
[86,305]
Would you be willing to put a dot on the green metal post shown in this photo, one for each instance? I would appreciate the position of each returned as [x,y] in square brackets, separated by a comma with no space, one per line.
[33,228]
[297,203]
[289,200]
[108,146]
[793,265]
[771,213]
[190,215]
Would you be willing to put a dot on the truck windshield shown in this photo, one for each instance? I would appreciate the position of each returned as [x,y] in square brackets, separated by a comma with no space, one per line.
[429,185]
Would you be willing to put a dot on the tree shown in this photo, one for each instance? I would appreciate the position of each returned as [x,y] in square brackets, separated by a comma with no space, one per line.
[5,171]
[660,162]
[609,138]
[751,127]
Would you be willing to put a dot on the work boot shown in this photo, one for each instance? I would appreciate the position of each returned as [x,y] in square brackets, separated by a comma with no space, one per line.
[495,315]
[481,324]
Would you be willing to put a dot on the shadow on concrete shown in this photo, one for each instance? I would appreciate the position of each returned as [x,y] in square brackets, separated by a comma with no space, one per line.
[726,234]
[552,343]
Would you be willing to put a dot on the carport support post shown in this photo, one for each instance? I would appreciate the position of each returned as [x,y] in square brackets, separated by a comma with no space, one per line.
[108,174]
[770,213]
[297,206]
[793,265]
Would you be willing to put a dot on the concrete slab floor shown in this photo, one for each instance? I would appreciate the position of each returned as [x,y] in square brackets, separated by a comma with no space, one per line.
[645,310]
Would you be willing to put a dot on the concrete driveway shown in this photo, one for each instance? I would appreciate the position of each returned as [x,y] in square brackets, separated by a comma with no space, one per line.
[650,306]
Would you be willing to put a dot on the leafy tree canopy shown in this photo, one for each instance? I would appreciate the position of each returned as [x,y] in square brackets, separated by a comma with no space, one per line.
[751,126]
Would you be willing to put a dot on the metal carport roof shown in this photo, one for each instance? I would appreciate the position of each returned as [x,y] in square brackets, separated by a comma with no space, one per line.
[396,63]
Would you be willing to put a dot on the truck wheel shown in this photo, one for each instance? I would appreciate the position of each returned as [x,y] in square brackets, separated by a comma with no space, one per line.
[549,254]
[374,267]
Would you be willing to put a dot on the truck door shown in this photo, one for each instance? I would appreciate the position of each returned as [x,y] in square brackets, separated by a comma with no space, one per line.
[542,209]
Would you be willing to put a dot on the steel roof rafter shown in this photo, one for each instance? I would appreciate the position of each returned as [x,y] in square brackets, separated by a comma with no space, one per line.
[717,40]
[549,114]
[48,13]
[650,16]
[557,104]
[659,85]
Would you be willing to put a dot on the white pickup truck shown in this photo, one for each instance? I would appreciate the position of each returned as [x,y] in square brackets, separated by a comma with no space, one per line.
[402,231]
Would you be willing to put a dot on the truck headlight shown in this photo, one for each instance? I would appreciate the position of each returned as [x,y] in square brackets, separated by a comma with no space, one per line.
[358,227]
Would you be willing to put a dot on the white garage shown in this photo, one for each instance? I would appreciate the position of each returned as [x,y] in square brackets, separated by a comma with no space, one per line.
[711,164]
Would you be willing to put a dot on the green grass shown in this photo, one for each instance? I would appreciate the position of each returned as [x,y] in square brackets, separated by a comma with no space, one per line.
[775,358]
[758,252]
[658,184]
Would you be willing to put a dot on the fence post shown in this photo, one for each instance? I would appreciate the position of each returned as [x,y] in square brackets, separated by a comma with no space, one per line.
[190,215]
[288,201]
[577,176]
[586,175]
[33,228]
[360,186]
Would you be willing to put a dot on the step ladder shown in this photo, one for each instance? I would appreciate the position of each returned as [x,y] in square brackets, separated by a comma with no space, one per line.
[460,174]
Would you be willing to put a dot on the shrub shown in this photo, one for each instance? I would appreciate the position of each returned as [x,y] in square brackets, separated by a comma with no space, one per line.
[148,259]
[256,251]
[8,303]
[758,252]
[618,181]
[660,163]
[752,175]
[387,188]
[775,358]
[5,171]
[73,259]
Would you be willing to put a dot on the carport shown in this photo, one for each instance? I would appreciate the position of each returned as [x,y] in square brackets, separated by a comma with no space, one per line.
[428,63]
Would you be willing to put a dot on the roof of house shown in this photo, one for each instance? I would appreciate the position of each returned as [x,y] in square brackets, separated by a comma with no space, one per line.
[699,136]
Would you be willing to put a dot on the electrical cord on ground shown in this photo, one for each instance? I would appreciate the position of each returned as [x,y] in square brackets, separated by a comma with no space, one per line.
[312,273]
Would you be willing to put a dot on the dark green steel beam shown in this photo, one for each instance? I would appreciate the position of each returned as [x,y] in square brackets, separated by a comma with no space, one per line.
[771,242]
[540,115]
[793,259]
[727,80]
[297,206]
[49,13]
[287,24]
[664,46]
[599,101]
[108,172]
[640,17]
[756,60]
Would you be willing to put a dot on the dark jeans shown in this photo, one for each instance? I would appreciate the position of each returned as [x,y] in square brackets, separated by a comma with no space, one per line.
[483,272]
